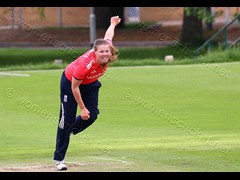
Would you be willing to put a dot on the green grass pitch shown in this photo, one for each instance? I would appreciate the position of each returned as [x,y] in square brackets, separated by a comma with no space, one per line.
[159,118]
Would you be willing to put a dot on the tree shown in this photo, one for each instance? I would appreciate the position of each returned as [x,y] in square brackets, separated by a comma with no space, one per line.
[103,15]
[209,24]
[192,29]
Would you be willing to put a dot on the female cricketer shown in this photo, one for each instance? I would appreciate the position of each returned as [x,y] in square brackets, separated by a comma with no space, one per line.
[79,88]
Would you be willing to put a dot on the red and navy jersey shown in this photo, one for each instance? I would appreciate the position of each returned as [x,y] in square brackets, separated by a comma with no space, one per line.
[85,68]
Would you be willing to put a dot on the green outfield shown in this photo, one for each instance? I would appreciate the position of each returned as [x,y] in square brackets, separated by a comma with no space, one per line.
[152,118]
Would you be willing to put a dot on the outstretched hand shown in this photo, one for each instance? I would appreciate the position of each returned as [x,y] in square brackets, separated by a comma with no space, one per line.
[115,20]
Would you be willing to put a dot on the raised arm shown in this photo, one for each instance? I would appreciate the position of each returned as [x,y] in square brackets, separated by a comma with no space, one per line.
[115,20]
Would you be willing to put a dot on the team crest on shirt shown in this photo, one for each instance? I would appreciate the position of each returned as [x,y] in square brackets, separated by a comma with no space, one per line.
[94,71]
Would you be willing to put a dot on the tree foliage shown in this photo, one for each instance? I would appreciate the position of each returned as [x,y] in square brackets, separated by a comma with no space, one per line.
[201,13]
[41,11]
[192,29]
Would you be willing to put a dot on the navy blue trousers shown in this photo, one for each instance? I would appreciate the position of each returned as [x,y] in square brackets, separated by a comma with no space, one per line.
[68,121]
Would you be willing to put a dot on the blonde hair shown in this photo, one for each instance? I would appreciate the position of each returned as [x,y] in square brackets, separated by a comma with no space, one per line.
[113,49]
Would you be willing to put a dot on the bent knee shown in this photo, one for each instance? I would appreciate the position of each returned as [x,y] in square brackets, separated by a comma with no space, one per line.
[93,117]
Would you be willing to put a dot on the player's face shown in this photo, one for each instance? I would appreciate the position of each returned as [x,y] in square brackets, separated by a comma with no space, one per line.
[103,54]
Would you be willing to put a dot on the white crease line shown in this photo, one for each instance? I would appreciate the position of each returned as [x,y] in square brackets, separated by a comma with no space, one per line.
[76,163]
[109,159]
[14,74]
[35,166]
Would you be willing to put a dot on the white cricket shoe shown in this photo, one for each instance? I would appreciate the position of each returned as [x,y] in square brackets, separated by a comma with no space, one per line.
[60,165]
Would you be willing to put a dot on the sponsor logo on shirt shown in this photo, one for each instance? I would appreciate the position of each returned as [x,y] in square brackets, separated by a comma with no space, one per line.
[89,65]
[95,76]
